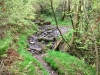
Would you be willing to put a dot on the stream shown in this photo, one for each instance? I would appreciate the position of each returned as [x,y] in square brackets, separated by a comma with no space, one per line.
[45,36]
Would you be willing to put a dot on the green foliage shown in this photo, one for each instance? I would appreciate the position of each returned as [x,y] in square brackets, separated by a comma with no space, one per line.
[66,64]
[61,23]
[19,13]
[14,11]
[68,36]
[4,45]
[28,30]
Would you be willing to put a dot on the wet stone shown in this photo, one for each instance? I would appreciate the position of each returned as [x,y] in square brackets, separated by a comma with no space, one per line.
[46,38]
[35,46]
[46,34]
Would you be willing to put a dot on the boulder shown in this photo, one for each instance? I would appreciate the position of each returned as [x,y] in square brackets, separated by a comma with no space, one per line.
[47,23]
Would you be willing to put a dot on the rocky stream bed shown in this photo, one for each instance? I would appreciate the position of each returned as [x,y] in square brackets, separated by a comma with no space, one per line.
[45,36]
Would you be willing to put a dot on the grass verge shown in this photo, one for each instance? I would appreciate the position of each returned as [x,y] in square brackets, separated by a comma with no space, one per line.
[66,64]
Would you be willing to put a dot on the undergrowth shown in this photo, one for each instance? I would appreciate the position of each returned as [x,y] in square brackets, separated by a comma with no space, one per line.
[66,64]
[68,35]
[61,23]
[27,64]
[4,45]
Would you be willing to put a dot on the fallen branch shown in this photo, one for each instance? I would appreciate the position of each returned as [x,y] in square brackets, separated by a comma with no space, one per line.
[57,44]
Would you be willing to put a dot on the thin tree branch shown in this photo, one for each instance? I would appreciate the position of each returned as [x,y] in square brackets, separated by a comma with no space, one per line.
[57,24]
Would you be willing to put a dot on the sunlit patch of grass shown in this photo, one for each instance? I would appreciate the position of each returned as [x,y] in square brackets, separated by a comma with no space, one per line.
[60,23]
[66,64]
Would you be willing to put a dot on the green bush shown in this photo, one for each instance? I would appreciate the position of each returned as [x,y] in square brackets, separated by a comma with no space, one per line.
[14,11]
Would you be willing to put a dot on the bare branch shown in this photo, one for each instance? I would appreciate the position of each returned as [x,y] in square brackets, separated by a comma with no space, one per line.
[57,24]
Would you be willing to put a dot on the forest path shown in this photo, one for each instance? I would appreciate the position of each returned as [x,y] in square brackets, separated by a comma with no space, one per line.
[44,64]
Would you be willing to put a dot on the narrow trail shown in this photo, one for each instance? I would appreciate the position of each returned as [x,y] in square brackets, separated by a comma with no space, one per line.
[44,64]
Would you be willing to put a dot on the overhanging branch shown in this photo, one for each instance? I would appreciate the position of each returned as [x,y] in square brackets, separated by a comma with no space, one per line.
[57,24]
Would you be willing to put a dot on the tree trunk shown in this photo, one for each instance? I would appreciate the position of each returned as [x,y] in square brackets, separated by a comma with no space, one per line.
[42,9]
[64,11]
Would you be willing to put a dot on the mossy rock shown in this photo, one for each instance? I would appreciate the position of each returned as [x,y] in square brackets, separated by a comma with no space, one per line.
[42,20]
[41,23]
[47,23]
